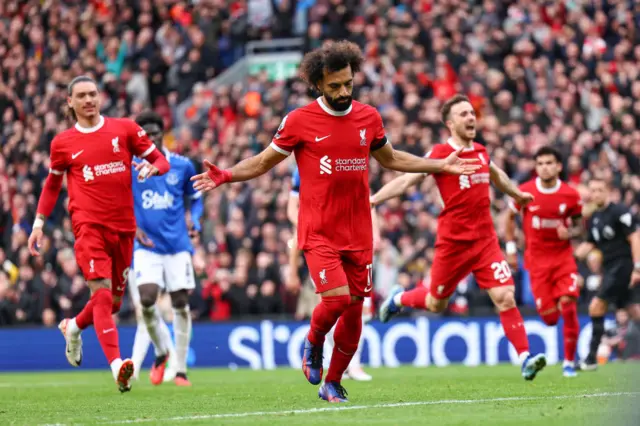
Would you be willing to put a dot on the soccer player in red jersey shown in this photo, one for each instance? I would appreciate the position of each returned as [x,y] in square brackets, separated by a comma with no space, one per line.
[549,224]
[467,241]
[332,139]
[96,155]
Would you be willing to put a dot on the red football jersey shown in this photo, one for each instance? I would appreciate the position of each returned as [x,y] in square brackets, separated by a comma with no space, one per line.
[466,213]
[332,151]
[552,207]
[98,166]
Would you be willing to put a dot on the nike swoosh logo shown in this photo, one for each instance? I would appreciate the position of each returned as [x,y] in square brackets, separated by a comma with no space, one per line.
[107,331]
[534,208]
[321,139]
[74,156]
[368,289]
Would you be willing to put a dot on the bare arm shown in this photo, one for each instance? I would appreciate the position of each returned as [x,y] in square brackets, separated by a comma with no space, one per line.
[577,229]
[396,187]
[511,248]
[247,169]
[501,181]
[584,249]
[255,166]
[404,162]
[293,206]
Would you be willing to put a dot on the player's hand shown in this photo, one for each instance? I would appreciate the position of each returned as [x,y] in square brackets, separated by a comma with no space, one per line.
[635,278]
[211,179]
[142,237]
[145,170]
[293,283]
[194,235]
[563,232]
[523,199]
[455,165]
[35,241]
[512,260]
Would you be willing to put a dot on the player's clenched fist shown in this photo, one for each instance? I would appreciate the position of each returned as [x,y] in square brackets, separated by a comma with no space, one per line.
[523,199]
[455,165]
[35,241]
[145,170]
[635,278]
[211,179]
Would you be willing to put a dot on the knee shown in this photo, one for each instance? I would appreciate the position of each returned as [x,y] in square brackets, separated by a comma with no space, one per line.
[597,307]
[504,299]
[148,295]
[179,300]
[550,317]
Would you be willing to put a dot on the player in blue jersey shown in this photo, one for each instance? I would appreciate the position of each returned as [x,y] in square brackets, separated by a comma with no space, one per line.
[354,370]
[163,249]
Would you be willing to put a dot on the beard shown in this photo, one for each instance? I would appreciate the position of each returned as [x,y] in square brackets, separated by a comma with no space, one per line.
[339,104]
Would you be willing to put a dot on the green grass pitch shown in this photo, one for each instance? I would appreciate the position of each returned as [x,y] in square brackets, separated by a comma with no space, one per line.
[454,395]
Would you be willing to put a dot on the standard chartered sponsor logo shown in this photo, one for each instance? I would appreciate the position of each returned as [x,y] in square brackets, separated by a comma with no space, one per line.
[328,165]
[538,223]
[109,168]
[268,344]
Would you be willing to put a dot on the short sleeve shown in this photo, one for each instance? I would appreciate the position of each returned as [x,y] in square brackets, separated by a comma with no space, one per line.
[575,209]
[189,172]
[627,221]
[379,136]
[286,138]
[59,160]
[139,143]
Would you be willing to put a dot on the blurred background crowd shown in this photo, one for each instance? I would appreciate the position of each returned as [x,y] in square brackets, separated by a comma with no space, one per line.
[562,72]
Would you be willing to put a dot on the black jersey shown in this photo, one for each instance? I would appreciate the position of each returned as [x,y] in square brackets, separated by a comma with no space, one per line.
[609,230]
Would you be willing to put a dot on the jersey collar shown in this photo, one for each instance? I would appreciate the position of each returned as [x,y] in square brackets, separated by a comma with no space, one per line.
[90,129]
[332,112]
[456,147]
[544,190]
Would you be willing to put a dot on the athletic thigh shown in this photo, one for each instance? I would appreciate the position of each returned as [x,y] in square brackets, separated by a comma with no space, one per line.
[325,268]
[178,270]
[358,267]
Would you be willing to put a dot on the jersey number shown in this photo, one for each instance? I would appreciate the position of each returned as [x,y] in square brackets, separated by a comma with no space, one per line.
[501,271]
[574,284]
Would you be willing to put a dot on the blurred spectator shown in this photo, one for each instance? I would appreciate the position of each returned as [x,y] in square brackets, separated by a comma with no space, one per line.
[563,73]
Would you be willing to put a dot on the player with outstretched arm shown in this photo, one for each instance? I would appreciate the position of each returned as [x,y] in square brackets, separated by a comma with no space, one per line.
[96,154]
[466,241]
[332,139]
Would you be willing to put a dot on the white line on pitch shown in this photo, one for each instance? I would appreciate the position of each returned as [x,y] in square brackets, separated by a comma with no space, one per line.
[368,407]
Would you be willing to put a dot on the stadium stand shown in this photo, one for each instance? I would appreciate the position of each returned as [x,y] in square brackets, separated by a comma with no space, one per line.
[561,73]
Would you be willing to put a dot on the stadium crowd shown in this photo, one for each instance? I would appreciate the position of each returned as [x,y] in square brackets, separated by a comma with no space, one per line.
[564,73]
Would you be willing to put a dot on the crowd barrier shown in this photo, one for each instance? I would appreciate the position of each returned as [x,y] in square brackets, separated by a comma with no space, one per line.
[269,344]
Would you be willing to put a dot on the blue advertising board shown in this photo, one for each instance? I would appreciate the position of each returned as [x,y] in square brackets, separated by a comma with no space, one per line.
[269,344]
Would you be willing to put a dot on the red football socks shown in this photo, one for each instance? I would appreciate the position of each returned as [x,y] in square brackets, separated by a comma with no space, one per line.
[104,325]
[416,298]
[325,316]
[571,329]
[346,338]
[513,326]
[85,318]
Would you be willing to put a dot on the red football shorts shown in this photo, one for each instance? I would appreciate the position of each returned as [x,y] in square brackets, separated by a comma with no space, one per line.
[329,269]
[550,282]
[454,261]
[102,253]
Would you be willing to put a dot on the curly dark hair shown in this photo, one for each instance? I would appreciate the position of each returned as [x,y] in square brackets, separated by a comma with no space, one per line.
[331,57]
[446,107]
[149,117]
[548,150]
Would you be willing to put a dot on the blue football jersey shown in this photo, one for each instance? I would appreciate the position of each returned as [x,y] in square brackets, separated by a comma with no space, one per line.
[295,182]
[159,204]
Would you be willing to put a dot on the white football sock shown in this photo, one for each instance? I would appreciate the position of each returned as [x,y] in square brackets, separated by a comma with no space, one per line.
[73,328]
[140,347]
[153,328]
[397,300]
[523,357]
[165,336]
[182,331]
[115,367]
